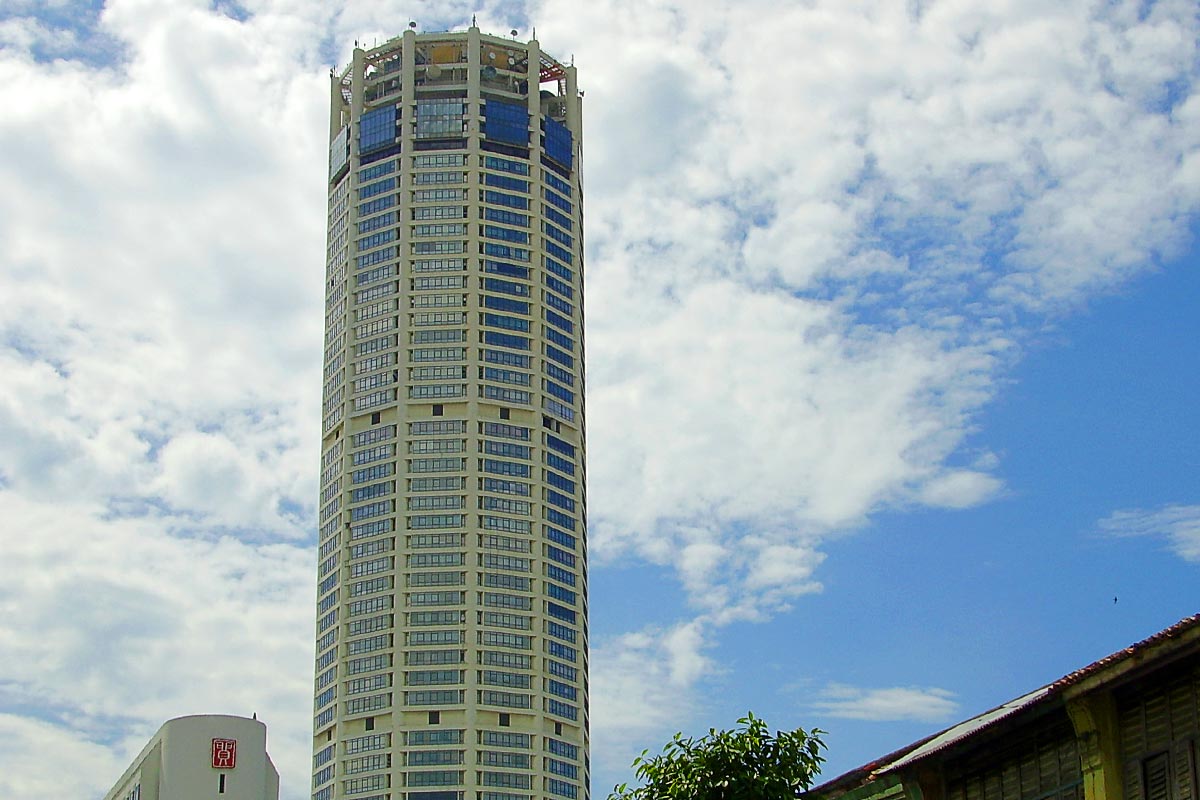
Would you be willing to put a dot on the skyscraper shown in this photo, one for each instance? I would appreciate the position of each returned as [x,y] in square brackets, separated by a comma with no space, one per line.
[451,659]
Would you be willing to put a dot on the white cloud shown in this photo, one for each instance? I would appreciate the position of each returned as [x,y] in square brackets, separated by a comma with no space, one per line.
[1179,525]
[959,488]
[24,743]
[891,704]
[119,621]
[643,683]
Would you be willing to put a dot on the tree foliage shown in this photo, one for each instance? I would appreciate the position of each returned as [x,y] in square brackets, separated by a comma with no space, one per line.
[746,763]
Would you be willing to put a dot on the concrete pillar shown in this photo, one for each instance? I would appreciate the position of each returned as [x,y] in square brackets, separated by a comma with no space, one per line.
[1094,717]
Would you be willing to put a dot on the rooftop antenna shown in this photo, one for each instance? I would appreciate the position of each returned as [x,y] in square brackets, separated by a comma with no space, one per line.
[473,21]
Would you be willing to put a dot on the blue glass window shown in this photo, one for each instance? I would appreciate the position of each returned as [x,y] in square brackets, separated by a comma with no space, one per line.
[494,232]
[376,239]
[558,269]
[559,184]
[554,745]
[555,233]
[558,142]
[559,555]
[376,129]
[510,200]
[505,182]
[505,340]
[507,165]
[558,649]
[507,468]
[559,374]
[377,171]
[559,339]
[503,321]
[560,463]
[439,119]
[374,258]
[561,357]
[507,449]
[555,443]
[555,480]
[561,632]
[560,321]
[378,204]
[506,287]
[375,223]
[511,270]
[560,500]
[560,392]
[506,122]
[554,301]
[561,689]
[562,576]
[559,286]
[561,202]
[504,304]
[567,596]
[559,518]
[507,217]
[506,358]
[562,537]
[557,218]
[504,251]
[506,376]
[560,253]
[372,189]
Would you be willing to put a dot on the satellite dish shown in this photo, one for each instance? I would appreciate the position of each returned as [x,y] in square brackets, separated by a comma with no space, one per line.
[488,73]
[513,31]
[412,25]
[433,71]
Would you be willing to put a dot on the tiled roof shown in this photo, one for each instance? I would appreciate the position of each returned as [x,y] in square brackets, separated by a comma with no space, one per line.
[923,748]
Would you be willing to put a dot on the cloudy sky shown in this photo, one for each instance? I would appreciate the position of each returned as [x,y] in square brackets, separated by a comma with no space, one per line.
[892,358]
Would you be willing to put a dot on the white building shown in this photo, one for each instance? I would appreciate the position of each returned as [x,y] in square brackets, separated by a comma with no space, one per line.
[452,601]
[204,757]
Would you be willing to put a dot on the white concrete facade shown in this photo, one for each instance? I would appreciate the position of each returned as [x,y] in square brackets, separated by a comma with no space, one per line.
[203,757]
[451,659]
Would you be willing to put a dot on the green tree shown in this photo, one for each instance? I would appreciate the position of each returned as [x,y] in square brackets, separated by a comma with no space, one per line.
[746,763]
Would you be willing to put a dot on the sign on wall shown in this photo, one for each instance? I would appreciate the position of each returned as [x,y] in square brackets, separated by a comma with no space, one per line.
[224,753]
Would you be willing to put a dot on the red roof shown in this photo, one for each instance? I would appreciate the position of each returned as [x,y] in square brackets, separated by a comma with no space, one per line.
[956,733]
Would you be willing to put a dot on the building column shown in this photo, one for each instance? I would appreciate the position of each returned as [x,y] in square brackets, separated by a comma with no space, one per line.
[1094,717]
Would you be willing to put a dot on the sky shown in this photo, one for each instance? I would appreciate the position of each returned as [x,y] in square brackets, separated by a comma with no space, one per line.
[892,359]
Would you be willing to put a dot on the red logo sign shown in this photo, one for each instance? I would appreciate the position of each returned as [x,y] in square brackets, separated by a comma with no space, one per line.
[224,753]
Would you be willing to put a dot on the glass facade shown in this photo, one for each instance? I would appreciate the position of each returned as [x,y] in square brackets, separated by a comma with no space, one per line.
[451,657]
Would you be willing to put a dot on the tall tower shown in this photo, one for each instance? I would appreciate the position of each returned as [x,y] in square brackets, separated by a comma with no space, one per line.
[451,659]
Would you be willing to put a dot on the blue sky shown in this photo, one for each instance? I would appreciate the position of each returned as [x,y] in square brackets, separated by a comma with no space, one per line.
[891,341]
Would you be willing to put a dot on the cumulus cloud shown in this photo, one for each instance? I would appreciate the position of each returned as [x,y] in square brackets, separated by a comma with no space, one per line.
[643,683]
[841,223]
[890,704]
[1179,525]
[25,741]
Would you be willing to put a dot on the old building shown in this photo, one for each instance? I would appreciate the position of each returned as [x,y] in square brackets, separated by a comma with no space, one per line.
[1124,728]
